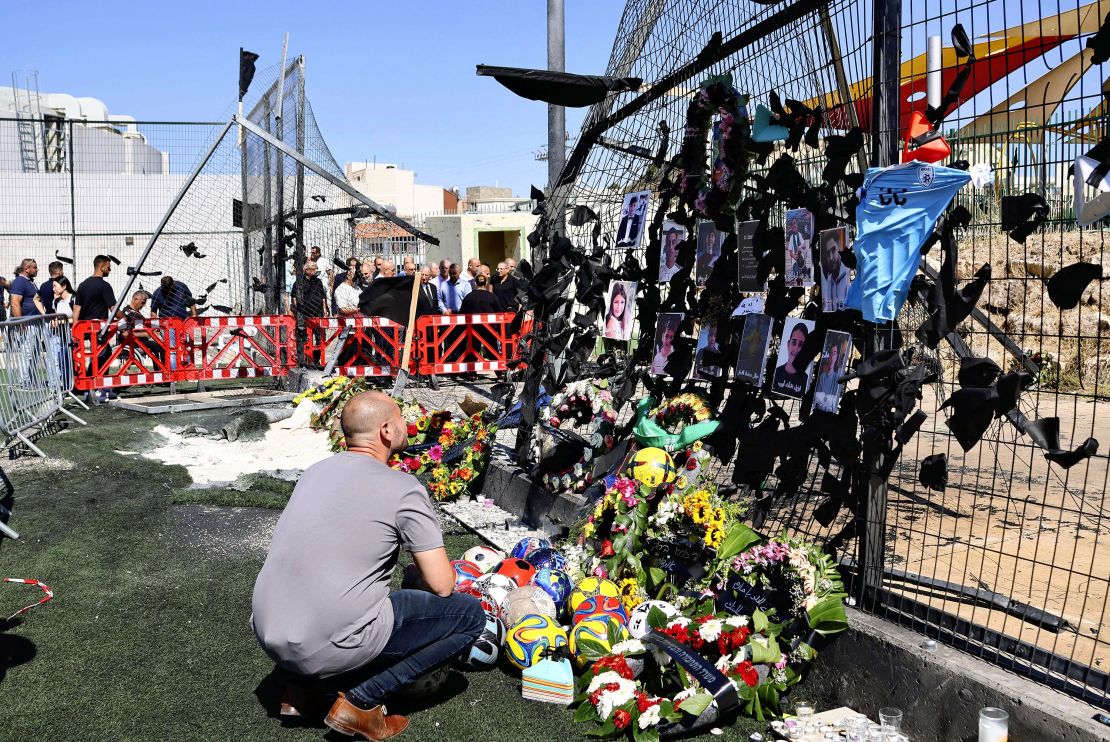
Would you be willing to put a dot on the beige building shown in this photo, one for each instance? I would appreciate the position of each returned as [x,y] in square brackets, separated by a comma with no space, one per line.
[490,237]
[392,186]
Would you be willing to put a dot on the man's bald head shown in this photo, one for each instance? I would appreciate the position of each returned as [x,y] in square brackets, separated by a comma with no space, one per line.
[373,420]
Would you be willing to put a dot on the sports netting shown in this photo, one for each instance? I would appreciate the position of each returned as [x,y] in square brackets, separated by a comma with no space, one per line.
[1005,563]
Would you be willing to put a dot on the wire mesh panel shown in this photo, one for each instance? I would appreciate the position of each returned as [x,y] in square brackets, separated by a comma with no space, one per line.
[1005,562]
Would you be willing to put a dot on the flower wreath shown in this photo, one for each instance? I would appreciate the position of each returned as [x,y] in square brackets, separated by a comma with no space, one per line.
[674,425]
[720,192]
[457,458]
[583,402]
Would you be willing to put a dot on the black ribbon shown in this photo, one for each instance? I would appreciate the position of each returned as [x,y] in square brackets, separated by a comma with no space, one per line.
[739,597]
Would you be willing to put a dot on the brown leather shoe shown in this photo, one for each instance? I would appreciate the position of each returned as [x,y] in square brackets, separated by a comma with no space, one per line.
[372,724]
[300,701]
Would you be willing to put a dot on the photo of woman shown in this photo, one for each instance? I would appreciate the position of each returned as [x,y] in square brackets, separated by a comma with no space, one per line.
[834,361]
[664,340]
[790,380]
[754,344]
[618,317]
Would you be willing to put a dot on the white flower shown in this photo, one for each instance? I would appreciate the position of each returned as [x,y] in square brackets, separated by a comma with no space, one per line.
[810,601]
[610,700]
[737,621]
[685,693]
[740,655]
[628,646]
[723,662]
[661,658]
[603,679]
[710,631]
[680,621]
[649,718]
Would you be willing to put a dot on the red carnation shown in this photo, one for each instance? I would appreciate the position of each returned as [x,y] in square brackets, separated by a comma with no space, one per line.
[607,548]
[748,673]
[412,430]
[621,718]
[643,703]
[691,464]
[412,463]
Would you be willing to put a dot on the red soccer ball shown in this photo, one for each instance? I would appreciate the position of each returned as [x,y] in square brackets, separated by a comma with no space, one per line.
[517,570]
[465,573]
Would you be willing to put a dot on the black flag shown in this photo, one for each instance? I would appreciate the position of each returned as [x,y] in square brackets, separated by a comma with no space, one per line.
[246,70]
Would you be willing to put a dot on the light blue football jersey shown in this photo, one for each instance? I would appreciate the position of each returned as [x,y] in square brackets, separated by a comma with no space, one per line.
[898,209]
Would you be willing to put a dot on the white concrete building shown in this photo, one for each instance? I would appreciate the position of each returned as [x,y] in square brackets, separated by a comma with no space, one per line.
[395,187]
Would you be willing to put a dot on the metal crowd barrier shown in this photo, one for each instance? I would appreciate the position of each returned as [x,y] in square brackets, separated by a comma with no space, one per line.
[35,374]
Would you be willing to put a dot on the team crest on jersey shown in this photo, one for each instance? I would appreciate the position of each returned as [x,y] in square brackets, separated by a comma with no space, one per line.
[925,176]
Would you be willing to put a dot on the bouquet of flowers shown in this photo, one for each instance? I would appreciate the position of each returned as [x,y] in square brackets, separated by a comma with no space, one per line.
[458,456]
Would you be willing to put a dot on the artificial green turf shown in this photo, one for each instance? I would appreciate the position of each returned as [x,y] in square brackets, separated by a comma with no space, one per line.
[149,639]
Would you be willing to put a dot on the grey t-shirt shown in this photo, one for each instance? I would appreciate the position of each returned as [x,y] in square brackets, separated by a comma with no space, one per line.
[321,602]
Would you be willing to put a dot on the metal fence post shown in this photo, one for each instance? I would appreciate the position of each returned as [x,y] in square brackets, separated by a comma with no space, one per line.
[872,513]
[71,165]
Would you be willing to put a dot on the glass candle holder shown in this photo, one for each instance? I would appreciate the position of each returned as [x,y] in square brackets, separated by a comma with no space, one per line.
[890,719]
[994,724]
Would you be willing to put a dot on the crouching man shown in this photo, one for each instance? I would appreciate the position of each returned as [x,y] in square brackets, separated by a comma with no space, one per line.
[322,608]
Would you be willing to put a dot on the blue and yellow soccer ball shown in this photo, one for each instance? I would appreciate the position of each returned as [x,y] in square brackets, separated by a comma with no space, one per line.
[595,629]
[652,467]
[531,638]
[555,583]
[590,587]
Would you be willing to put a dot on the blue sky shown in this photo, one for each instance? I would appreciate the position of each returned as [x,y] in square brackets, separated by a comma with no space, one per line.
[387,79]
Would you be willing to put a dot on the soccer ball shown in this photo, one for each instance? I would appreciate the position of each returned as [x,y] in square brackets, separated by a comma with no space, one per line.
[465,572]
[527,545]
[517,570]
[602,604]
[595,628]
[555,583]
[485,557]
[492,590]
[482,654]
[638,621]
[526,601]
[531,637]
[590,587]
[546,558]
[425,685]
[652,466]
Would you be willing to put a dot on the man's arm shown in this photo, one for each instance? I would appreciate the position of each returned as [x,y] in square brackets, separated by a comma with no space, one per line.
[434,572]
[39,305]
[17,304]
[442,304]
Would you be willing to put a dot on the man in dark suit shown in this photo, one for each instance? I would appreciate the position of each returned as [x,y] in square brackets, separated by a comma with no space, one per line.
[427,301]
[629,228]
[505,288]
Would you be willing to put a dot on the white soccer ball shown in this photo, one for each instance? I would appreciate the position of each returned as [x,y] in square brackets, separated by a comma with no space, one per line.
[492,590]
[484,556]
[638,621]
[526,600]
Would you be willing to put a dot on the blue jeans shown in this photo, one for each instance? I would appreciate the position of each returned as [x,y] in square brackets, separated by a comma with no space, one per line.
[428,631]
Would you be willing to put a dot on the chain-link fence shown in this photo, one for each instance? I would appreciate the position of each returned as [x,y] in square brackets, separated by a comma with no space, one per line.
[1005,563]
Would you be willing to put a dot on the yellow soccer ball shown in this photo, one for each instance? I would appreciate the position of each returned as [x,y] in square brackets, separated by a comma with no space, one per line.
[652,467]
[590,587]
[596,629]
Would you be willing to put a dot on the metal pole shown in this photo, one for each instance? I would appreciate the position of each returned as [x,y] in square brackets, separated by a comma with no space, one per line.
[169,213]
[298,254]
[279,221]
[72,196]
[933,71]
[556,115]
[886,59]
[847,103]
[872,513]
[273,295]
